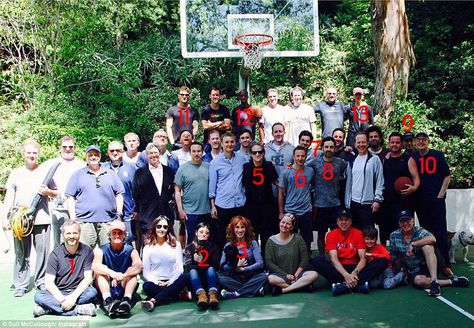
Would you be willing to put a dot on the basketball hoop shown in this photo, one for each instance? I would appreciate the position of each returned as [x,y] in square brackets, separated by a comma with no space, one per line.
[251,46]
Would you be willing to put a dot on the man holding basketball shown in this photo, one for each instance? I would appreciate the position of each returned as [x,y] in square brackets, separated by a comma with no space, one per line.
[397,164]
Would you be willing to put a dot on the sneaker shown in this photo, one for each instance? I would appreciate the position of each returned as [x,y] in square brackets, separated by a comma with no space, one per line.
[459,281]
[339,289]
[213,300]
[435,290]
[363,288]
[228,295]
[86,309]
[38,311]
[19,293]
[276,291]
[111,307]
[148,306]
[124,309]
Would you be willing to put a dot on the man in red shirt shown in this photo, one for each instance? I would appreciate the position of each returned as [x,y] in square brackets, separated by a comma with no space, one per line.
[347,268]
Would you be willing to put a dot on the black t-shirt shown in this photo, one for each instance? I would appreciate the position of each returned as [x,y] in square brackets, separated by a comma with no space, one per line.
[432,168]
[182,119]
[393,168]
[213,116]
[245,122]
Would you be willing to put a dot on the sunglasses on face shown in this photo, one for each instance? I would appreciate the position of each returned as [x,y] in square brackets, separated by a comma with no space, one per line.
[259,152]
[162,226]
[68,147]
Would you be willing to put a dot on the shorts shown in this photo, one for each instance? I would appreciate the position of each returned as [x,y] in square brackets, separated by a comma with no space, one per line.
[422,272]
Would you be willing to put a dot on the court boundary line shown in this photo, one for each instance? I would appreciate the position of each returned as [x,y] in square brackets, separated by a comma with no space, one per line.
[454,306]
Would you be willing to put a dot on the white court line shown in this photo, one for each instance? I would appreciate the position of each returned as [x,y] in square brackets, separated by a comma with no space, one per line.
[454,306]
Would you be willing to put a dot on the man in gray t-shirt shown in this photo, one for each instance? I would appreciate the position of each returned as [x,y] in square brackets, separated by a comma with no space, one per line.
[294,193]
[192,190]
[332,113]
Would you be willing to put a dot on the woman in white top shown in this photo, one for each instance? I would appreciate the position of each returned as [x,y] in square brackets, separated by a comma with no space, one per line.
[162,264]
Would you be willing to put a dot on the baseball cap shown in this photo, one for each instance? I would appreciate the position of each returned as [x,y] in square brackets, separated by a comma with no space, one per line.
[405,215]
[344,211]
[117,225]
[93,147]
[408,135]
[357,90]
[422,134]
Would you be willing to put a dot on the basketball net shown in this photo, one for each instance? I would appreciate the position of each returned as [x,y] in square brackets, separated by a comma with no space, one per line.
[251,48]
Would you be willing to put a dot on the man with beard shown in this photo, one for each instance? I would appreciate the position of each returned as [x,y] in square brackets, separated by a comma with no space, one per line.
[396,165]
[342,151]
[299,116]
[68,277]
[332,113]
[329,172]
[273,113]
[376,147]
[305,139]
[183,154]
[366,181]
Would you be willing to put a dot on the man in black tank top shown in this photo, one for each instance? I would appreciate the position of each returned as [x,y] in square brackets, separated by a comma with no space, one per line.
[396,165]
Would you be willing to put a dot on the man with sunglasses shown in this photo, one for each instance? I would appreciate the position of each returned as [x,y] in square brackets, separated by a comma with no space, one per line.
[181,117]
[69,164]
[126,173]
[94,198]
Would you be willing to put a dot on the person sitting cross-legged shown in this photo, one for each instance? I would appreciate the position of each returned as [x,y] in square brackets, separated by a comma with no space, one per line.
[116,266]
[68,277]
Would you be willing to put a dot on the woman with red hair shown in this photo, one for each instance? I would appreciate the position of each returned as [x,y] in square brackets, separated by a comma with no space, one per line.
[241,262]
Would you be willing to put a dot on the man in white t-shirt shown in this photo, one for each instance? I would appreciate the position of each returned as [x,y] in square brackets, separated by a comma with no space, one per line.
[299,116]
[272,113]
[184,153]
[132,141]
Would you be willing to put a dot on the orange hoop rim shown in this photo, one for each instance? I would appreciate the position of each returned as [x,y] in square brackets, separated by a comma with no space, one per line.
[266,40]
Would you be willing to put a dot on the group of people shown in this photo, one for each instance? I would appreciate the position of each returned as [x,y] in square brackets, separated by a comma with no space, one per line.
[244,211]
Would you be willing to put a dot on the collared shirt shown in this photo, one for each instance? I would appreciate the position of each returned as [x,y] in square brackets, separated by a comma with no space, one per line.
[157,174]
[164,158]
[225,181]
[126,173]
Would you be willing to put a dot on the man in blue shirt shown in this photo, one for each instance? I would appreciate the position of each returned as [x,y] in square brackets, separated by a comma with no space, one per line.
[160,140]
[226,191]
[94,198]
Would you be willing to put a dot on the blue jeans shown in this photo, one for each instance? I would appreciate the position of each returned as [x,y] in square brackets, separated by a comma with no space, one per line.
[48,302]
[128,225]
[208,275]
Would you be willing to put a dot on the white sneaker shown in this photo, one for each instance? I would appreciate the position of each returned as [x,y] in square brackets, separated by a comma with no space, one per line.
[86,309]
[38,311]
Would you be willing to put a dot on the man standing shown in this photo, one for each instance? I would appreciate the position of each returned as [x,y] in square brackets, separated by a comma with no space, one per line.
[23,184]
[226,191]
[152,190]
[413,246]
[397,165]
[341,150]
[360,115]
[272,113]
[305,139]
[376,147]
[132,141]
[160,140]
[242,116]
[408,138]
[431,196]
[216,148]
[332,113]
[183,154]
[192,180]
[366,181]
[215,116]
[126,173]
[68,277]
[116,266]
[181,117]
[69,165]
[94,198]
[246,138]
[329,171]
[294,194]
[299,116]
[347,268]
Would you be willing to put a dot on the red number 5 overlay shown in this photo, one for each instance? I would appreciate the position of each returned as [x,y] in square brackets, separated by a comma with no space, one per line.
[258,176]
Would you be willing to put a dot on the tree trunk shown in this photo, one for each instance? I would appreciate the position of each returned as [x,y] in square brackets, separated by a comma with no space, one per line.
[393,53]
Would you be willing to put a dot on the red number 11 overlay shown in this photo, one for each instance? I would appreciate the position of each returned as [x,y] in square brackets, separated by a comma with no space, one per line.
[186,115]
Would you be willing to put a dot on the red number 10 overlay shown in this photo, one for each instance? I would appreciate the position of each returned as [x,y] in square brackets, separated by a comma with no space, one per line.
[248,120]
[425,165]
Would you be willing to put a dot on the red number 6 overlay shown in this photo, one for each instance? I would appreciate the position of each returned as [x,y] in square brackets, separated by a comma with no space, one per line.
[300,180]
[243,248]
[409,125]
[203,263]
[258,176]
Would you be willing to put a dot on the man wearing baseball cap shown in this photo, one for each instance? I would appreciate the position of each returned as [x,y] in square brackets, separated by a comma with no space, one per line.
[408,139]
[116,266]
[360,114]
[347,268]
[94,198]
[414,247]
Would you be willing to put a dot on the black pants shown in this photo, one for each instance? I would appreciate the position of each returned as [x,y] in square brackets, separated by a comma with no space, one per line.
[361,215]
[370,271]
[163,295]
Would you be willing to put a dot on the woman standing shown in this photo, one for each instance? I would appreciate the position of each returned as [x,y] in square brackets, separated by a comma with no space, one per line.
[241,262]
[201,261]
[162,264]
[286,258]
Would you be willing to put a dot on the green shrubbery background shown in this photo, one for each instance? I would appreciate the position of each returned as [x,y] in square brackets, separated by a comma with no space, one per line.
[98,69]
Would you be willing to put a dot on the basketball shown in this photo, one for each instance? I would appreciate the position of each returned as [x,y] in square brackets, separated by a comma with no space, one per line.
[257,111]
[399,184]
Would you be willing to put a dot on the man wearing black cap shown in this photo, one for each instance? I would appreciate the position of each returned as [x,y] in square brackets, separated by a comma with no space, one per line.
[408,138]
[347,269]
[414,247]
[431,196]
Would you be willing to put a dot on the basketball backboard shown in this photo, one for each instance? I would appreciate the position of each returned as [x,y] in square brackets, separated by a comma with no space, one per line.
[209,27]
